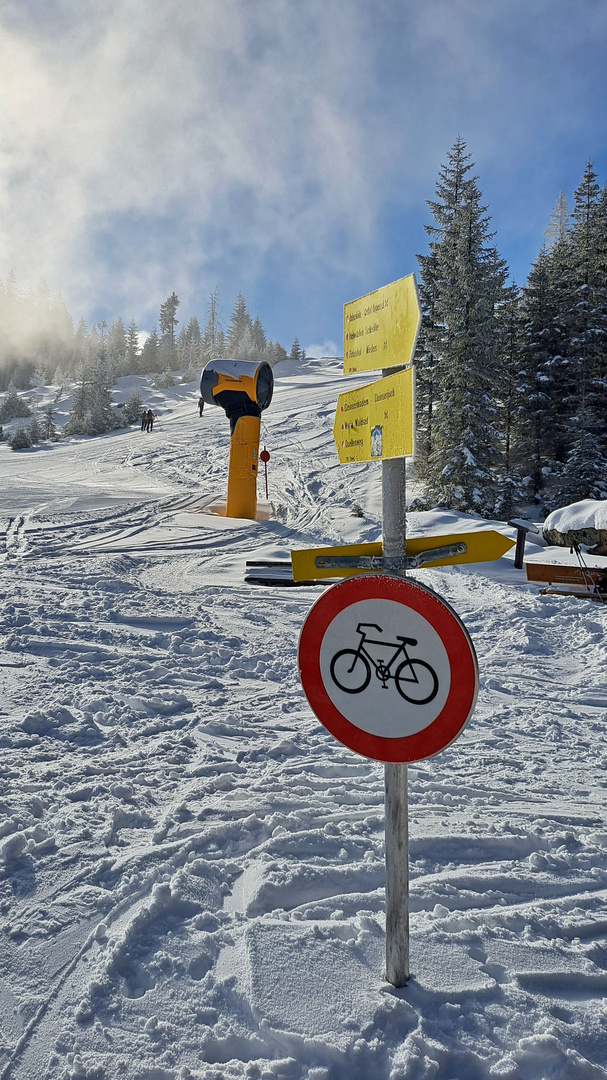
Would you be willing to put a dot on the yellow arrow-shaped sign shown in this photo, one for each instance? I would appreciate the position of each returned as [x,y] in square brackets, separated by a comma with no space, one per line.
[380,329]
[481,546]
[375,422]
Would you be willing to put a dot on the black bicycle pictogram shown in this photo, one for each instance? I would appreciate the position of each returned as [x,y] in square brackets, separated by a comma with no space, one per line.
[415,680]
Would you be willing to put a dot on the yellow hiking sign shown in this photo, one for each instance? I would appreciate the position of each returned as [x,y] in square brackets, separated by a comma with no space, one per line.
[337,562]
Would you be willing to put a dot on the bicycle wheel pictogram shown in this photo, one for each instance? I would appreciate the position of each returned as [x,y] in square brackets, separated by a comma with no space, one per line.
[416,682]
[350,671]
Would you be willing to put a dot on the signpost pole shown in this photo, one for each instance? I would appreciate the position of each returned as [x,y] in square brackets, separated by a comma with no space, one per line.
[397,832]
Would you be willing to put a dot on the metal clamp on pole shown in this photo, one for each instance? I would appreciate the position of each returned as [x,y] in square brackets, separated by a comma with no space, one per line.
[379,562]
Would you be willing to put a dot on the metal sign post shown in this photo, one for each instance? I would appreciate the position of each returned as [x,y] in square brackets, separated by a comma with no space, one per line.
[399,708]
[397,826]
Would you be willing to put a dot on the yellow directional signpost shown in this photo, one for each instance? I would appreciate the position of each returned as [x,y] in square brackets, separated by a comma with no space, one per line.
[443,550]
[376,421]
[380,329]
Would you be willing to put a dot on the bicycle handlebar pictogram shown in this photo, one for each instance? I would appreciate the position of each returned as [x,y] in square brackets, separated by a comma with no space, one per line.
[416,681]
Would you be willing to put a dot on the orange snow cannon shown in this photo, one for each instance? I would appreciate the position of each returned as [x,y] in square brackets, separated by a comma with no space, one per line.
[243,389]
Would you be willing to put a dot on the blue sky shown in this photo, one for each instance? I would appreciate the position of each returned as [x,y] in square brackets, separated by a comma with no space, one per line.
[280,148]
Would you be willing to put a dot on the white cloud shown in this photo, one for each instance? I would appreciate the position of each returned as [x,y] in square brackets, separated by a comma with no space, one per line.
[146,146]
[193,129]
[328,348]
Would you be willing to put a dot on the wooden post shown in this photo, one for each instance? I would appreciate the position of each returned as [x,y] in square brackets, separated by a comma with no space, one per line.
[397,832]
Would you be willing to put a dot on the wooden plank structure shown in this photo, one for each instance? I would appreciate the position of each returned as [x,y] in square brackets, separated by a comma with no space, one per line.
[565,579]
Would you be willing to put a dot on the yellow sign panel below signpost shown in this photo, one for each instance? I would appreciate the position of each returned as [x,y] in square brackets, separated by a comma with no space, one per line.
[376,421]
[482,546]
[380,329]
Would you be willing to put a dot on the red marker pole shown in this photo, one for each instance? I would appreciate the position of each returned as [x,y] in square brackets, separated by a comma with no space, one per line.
[265,457]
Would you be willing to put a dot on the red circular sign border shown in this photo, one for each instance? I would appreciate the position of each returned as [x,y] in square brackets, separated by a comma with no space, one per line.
[462,658]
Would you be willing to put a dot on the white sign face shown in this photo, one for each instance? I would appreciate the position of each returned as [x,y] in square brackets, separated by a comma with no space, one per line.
[385,668]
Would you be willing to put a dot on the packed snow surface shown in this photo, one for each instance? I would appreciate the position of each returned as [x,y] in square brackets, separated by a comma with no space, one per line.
[191,880]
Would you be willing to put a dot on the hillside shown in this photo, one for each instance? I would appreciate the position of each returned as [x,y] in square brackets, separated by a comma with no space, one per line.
[191,868]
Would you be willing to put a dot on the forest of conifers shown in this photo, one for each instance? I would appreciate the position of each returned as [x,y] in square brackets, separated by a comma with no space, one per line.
[510,381]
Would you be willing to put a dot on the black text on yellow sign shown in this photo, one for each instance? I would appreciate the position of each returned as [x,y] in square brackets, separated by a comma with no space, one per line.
[375,422]
[380,329]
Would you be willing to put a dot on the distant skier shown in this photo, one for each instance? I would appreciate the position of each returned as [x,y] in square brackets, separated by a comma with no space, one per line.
[150,420]
[200,405]
[144,421]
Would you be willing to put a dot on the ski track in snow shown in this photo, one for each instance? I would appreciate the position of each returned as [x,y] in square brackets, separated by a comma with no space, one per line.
[191,868]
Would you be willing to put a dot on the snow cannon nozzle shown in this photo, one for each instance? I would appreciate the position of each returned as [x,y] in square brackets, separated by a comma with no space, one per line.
[240,387]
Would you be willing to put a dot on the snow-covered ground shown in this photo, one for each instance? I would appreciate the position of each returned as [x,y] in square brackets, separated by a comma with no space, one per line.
[191,878]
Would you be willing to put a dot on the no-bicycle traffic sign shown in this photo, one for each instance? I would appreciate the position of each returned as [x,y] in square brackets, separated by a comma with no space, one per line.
[388,668]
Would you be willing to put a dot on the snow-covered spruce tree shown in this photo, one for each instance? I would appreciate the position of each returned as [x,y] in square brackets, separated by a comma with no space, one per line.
[240,331]
[150,354]
[511,487]
[536,421]
[164,379]
[167,322]
[132,348]
[117,349]
[297,353]
[92,412]
[584,473]
[49,431]
[13,405]
[212,343]
[103,417]
[133,408]
[259,338]
[600,291]
[74,424]
[465,279]
[19,440]
[34,431]
[426,388]
[558,226]
[189,349]
[274,353]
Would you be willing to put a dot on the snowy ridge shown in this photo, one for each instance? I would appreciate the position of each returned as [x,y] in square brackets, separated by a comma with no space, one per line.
[191,869]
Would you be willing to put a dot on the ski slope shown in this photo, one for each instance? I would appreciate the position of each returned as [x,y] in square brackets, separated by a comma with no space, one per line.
[191,868]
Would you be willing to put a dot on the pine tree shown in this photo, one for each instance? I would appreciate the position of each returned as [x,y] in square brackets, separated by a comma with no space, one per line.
[34,432]
[275,353]
[75,424]
[509,326]
[149,360]
[240,330]
[212,330]
[133,408]
[584,464]
[426,381]
[297,352]
[19,440]
[536,403]
[468,277]
[558,228]
[13,405]
[190,349]
[133,350]
[117,348]
[167,322]
[49,431]
[259,338]
[92,412]
[102,415]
